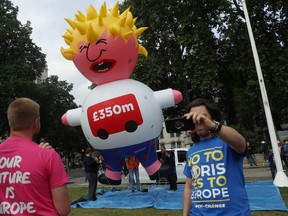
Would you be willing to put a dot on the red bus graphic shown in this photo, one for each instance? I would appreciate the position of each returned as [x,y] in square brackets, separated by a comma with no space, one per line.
[114,115]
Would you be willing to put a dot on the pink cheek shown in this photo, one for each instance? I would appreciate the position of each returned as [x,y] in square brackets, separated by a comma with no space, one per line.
[82,64]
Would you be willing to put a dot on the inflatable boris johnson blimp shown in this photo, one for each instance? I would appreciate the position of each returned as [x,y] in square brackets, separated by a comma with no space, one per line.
[120,117]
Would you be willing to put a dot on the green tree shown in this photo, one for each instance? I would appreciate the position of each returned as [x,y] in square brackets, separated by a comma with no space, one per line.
[268,20]
[182,47]
[54,98]
[21,61]
[202,48]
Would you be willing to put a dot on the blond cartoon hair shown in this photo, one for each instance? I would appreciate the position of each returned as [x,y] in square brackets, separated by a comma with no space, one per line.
[90,27]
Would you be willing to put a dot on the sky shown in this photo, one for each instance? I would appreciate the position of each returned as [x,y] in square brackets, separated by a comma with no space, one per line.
[48,26]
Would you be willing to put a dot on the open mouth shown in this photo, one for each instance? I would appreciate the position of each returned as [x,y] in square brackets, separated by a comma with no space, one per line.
[102,66]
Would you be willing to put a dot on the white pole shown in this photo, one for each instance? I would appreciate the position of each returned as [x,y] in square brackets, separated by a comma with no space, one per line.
[281,179]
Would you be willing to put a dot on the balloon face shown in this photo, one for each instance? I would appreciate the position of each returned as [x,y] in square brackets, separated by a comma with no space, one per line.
[107,60]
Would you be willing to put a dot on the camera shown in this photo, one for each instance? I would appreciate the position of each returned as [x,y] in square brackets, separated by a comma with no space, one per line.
[176,125]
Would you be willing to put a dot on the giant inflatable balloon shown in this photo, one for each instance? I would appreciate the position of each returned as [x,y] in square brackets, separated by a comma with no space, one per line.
[121,117]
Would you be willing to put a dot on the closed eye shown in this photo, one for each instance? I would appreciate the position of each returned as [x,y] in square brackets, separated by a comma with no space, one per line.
[101,41]
[81,48]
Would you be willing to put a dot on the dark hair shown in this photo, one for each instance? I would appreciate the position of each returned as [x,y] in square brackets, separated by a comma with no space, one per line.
[88,150]
[212,109]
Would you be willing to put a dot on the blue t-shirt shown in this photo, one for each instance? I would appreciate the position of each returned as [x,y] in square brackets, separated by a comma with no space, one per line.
[218,185]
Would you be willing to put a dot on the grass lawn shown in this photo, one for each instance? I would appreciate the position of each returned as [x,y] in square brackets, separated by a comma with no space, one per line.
[76,192]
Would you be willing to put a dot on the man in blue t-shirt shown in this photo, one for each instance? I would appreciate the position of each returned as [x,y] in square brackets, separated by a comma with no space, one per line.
[215,182]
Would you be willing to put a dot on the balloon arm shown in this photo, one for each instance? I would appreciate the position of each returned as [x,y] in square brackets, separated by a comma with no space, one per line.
[177,96]
[168,97]
[72,117]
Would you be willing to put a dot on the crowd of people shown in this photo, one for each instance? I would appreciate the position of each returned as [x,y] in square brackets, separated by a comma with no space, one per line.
[269,156]
[214,166]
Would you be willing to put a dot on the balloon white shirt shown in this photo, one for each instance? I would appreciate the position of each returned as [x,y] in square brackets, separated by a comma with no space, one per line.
[114,106]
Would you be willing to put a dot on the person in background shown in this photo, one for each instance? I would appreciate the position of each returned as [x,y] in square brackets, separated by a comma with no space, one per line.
[101,168]
[132,164]
[215,182]
[250,155]
[265,152]
[271,162]
[91,166]
[125,170]
[283,150]
[40,188]
[167,158]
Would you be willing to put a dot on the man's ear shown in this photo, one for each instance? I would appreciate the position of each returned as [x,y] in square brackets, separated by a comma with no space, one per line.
[35,123]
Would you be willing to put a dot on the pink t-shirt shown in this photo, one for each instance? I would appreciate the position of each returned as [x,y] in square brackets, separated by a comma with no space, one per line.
[27,175]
